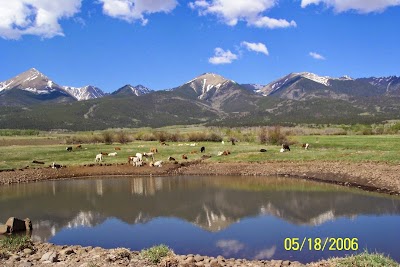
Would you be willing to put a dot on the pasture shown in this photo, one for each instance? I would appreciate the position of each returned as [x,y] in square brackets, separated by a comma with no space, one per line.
[356,148]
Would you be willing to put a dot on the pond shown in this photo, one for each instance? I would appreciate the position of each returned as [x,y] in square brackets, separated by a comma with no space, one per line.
[240,217]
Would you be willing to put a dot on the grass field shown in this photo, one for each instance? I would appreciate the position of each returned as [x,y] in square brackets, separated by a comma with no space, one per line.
[376,148]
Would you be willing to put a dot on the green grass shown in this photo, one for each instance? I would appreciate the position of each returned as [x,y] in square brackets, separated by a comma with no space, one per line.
[379,148]
[366,259]
[15,243]
[156,253]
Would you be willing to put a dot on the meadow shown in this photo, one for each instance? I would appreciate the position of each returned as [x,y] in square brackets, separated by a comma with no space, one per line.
[19,152]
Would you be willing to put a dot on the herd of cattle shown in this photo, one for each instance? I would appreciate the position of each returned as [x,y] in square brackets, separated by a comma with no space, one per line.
[138,159]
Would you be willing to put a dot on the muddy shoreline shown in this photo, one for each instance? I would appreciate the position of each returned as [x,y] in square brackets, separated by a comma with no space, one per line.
[369,176]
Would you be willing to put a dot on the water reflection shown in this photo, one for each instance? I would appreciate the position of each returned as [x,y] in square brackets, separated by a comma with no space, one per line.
[238,216]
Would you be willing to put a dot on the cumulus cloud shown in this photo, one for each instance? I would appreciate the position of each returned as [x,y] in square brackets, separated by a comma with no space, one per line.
[35,17]
[231,12]
[316,56]
[362,6]
[256,47]
[222,57]
[132,10]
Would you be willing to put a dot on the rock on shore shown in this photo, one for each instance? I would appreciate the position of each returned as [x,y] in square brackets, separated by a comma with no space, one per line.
[46,254]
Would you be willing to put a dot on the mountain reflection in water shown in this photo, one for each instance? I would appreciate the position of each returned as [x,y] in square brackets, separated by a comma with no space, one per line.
[245,217]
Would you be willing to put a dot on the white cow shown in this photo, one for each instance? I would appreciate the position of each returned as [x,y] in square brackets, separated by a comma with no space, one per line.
[99,158]
[158,163]
[113,154]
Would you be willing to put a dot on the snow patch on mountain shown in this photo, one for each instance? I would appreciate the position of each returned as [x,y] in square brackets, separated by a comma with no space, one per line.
[313,77]
[84,93]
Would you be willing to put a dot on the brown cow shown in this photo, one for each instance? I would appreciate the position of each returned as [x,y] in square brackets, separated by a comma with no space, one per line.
[184,156]
[117,148]
[154,150]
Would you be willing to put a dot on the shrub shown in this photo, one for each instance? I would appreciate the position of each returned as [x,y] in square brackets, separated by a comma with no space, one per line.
[122,137]
[275,136]
[156,253]
[263,136]
[107,137]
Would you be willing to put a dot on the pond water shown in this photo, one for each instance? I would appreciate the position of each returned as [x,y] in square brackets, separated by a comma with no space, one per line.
[241,217]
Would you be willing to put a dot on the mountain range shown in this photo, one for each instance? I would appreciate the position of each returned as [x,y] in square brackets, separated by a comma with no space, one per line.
[208,99]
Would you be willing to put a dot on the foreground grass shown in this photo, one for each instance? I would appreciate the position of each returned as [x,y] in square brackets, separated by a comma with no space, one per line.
[366,259]
[330,148]
[155,254]
[15,243]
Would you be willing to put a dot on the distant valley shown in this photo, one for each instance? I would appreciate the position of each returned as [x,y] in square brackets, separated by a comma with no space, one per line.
[32,100]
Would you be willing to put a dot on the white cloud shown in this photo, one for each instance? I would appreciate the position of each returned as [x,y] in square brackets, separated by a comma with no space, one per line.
[256,47]
[132,10]
[35,17]
[222,57]
[231,12]
[362,6]
[316,56]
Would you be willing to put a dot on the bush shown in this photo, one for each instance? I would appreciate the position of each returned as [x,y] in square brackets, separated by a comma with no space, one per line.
[156,253]
[107,138]
[275,136]
[263,136]
[122,137]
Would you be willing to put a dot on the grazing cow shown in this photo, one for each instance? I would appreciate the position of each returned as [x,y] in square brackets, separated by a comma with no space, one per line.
[193,152]
[224,153]
[140,156]
[164,144]
[158,163]
[112,154]
[38,162]
[79,146]
[55,165]
[171,159]
[104,153]
[130,158]
[154,150]
[117,148]
[205,156]
[306,146]
[233,142]
[99,158]
[192,144]
[263,150]
[286,147]
[184,156]
[202,149]
[148,154]
[282,150]
[69,148]
[136,161]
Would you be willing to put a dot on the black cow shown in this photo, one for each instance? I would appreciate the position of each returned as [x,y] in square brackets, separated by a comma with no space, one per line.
[202,149]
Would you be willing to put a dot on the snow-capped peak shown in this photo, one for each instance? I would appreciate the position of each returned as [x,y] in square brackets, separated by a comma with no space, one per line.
[206,82]
[84,93]
[31,80]
[314,77]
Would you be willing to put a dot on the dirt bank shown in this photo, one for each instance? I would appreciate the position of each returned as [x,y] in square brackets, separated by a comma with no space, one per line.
[380,177]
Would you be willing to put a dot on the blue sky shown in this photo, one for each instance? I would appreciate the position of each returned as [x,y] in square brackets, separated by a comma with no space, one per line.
[164,43]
